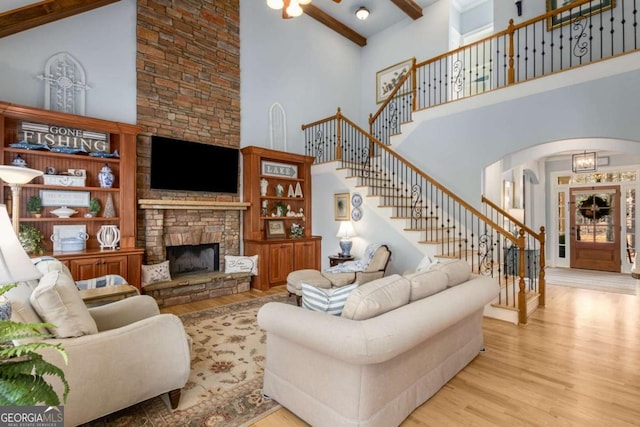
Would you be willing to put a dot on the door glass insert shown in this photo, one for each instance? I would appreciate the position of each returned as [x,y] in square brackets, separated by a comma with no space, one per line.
[562,244]
[595,212]
[630,222]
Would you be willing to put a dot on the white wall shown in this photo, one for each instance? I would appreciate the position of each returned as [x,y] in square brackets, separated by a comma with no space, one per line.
[423,39]
[476,17]
[102,40]
[466,142]
[373,228]
[306,67]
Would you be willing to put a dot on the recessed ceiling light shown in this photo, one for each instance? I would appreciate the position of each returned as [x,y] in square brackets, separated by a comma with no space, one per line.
[362,13]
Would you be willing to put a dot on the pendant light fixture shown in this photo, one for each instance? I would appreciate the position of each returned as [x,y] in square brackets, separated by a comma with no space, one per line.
[290,8]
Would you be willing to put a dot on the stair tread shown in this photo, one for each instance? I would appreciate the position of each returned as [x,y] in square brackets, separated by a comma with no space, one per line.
[428,231]
[411,218]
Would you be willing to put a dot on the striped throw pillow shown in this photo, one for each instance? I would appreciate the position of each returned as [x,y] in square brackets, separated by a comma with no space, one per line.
[329,301]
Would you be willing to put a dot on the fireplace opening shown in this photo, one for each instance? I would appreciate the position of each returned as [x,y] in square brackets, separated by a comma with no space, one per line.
[186,259]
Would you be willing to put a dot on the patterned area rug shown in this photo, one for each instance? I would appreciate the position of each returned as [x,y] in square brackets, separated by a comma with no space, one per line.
[224,388]
[591,279]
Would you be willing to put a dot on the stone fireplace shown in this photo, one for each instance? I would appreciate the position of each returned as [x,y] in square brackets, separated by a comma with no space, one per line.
[194,235]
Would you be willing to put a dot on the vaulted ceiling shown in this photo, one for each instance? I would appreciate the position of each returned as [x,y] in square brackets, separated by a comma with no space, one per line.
[27,14]
[409,7]
[42,12]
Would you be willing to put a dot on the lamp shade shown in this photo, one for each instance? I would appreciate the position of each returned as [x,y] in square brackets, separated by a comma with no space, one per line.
[346,230]
[15,265]
[17,175]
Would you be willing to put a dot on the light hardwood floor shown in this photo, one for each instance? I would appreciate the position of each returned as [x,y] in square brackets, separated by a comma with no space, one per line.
[576,363]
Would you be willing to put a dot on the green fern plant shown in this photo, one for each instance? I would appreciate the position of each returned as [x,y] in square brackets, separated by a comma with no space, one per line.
[22,369]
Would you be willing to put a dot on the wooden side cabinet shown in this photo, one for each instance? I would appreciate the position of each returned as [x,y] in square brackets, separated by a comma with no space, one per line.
[306,254]
[90,264]
[276,259]
[274,180]
[280,262]
[54,128]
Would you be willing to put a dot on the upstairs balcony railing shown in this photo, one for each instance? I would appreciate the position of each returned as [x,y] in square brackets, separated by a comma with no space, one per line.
[490,244]
[582,32]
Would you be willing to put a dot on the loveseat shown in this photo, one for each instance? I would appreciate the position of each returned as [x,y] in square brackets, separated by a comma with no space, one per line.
[119,354]
[416,333]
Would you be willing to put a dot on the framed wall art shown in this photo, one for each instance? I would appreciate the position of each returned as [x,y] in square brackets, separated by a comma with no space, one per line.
[341,207]
[387,79]
[275,229]
[578,12]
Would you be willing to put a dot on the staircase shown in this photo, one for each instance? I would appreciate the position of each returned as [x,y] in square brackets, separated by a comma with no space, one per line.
[493,242]
[432,216]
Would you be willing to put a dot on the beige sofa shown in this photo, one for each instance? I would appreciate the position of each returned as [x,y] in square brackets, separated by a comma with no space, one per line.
[334,371]
[119,354]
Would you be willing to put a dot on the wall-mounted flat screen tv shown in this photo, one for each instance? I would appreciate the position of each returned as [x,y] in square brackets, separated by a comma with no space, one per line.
[191,166]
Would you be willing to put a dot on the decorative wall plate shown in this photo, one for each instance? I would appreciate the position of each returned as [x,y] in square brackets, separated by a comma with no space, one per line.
[356,200]
[356,214]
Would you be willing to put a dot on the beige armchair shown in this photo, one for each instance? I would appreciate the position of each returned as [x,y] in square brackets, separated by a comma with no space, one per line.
[131,353]
[375,269]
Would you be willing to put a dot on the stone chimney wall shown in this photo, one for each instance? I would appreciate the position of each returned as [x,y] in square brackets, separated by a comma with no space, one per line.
[188,77]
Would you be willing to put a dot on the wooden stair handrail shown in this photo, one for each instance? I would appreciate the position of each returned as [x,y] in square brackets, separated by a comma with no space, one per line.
[511,218]
[434,182]
[509,32]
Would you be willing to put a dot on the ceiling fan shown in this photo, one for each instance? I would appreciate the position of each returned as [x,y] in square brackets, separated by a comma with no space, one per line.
[290,8]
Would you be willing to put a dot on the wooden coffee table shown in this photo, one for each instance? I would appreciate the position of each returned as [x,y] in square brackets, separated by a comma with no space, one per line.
[107,294]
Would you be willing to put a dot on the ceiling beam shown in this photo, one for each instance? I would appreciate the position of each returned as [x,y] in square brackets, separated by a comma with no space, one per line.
[334,24]
[409,7]
[44,12]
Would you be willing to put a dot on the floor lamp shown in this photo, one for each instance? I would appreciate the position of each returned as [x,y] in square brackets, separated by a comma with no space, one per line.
[15,265]
[16,177]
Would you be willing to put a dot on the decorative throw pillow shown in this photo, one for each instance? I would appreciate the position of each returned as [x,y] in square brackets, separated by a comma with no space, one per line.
[426,283]
[457,271]
[377,297]
[426,263]
[155,273]
[330,301]
[241,264]
[101,282]
[57,301]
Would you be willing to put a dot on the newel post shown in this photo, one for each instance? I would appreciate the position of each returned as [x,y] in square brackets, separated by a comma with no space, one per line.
[522,297]
[511,76]
[339,135]
[542,284]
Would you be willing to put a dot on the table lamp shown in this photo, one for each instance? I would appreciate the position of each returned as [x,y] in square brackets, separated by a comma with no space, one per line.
[15,265]
[16,177]
[345,232]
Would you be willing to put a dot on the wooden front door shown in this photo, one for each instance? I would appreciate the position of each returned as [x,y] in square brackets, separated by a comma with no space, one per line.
[595,228]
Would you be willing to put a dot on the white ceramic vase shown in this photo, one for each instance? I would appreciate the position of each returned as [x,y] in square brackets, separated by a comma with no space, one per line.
[108,237]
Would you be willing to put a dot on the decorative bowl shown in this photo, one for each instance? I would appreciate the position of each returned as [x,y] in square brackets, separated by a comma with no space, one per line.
[64,212]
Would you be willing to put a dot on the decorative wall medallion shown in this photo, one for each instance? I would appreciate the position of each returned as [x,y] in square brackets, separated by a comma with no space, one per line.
[356,214]
[356,200]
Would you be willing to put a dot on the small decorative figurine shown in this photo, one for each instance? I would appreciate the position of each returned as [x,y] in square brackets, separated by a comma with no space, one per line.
[19,161]
[109,208]
[279,190]
[263,187]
